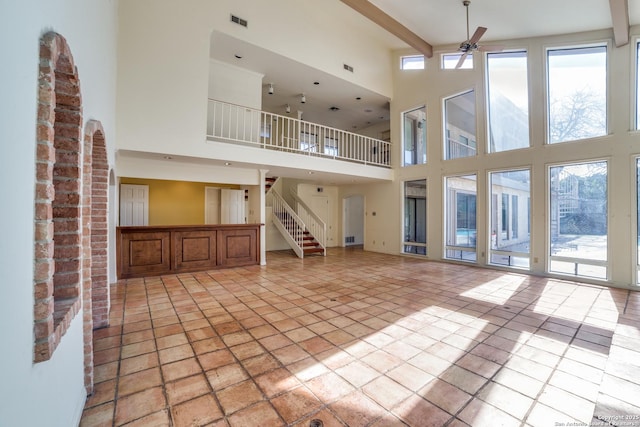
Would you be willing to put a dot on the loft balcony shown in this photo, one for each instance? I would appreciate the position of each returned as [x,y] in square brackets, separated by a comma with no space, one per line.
[237,124]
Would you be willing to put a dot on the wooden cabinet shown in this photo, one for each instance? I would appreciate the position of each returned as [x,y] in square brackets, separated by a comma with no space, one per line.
[149,251]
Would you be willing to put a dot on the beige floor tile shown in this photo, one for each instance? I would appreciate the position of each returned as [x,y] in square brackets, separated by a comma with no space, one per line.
[239,396]
[186,389]
[360,338]
[196,412]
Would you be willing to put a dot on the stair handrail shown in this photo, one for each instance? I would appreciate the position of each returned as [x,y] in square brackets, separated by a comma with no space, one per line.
[316,226]
[295,227]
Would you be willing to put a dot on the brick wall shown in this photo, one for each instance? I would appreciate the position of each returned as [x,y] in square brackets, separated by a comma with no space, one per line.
[71,210]
[57,269]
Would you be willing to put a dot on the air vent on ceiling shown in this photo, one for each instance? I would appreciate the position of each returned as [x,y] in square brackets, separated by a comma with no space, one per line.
[348,67]
[239,21]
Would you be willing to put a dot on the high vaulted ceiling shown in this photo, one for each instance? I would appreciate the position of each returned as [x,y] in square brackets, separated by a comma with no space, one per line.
[443,22]
[438,23]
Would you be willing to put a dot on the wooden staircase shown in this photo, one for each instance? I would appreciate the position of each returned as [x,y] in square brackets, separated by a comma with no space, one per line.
[268,183]
[311,245]
[295,231]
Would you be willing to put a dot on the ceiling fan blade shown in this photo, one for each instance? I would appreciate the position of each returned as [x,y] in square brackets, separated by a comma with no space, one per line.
[476,36]
[463,57]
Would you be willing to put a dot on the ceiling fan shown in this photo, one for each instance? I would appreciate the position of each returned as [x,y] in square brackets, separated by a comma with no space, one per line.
[471,43]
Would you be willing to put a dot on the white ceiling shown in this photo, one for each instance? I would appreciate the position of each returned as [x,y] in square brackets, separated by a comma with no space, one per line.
[443,22]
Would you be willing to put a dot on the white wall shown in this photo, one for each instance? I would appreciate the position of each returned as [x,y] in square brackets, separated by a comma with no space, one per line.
[49,393]
[235,85]
[163,52]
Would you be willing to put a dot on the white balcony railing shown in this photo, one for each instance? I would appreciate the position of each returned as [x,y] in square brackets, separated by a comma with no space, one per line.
[238,124]
[456,149]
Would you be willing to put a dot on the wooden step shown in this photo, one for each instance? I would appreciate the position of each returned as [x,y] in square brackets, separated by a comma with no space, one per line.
[308,251]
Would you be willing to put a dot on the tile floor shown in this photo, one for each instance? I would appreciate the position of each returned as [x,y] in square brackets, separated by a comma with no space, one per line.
[365,339]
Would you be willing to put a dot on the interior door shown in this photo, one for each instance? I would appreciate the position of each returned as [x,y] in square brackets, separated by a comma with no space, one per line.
[231,206]
[134,204]
[211,205]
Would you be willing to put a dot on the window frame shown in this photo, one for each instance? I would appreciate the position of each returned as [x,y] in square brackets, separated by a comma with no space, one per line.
[546,95]
[582,261]
[412,59]
[403,118]
[446,136]
[406,242]
[488,100]
[448,57]
[490,247]
[450,216]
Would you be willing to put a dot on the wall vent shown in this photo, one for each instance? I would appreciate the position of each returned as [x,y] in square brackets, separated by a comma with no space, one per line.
[348,67]
[239,21]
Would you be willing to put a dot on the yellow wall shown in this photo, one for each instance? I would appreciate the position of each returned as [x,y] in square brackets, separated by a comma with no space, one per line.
[175,202]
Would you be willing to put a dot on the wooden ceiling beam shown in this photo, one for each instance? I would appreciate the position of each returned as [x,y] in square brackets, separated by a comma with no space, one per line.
[375,14]
[620,19]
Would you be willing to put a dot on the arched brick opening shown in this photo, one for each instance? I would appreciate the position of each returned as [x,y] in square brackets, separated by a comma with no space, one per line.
[95,289]
[57,269]
[98,164]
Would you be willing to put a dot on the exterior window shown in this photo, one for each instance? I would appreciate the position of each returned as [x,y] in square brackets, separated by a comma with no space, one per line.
[509,247]
[508,101]
[638,220]
[415,217]
[638,85]
[414,62]
[577,93]
[450,60]
[415,136]
[578,219]
[460,122]
[460,218]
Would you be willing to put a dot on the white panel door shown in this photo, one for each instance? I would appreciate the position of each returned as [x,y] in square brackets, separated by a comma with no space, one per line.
[231,206]
[212,205]
[134,204]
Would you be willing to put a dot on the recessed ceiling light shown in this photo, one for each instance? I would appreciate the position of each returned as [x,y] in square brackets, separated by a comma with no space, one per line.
[358,98]
[310,172]
[227,163]
[316,83]
[238,56]
[334,108]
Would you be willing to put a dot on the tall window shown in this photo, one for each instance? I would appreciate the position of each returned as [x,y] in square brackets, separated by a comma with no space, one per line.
[415,217]
[508,101]
[577,93]
[460,217]
[638,85]
[460,121]
[638,220]
[414,136]
[578,219]
[510,217]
